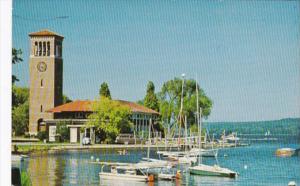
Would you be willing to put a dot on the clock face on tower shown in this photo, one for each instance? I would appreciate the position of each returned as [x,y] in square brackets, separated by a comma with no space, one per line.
[42,67]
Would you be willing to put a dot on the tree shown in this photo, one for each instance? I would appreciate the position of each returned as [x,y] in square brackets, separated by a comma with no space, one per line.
[66,99]
[104,90]
[20,110]
[16,58]
[110,118]
[20,119]
[170,95]
[20,95]
[63,130]
[150,99]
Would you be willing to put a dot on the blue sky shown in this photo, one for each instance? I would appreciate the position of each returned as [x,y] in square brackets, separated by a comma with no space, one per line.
[245,53]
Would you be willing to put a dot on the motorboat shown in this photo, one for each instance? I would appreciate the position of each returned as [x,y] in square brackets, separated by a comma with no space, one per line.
[285,152]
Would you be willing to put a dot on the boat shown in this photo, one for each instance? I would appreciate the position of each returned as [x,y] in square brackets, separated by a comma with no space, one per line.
[231,138]
[207,170]
[285,152]
[182,160]
[126,173]
[169,177]
[194,152]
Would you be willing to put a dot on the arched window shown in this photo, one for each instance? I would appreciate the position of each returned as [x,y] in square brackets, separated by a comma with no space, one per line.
[35,48]
[41,108]
[44,48]
[42,83]
[40,48]
[48,48]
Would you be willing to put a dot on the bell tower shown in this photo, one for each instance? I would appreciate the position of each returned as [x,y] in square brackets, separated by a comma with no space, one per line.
[46,77]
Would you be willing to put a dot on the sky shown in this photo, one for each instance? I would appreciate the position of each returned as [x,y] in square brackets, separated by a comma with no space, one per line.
[245,54]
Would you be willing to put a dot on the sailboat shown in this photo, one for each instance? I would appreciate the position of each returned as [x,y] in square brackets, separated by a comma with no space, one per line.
[186,156]
[208,170]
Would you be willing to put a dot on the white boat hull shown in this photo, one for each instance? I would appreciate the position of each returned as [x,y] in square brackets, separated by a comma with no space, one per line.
[206,170]
[192,153]
[125,177]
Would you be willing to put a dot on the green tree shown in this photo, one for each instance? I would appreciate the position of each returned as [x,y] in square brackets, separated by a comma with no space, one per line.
[16,58]
[110,118]
[150,99]
[66,99]
[170,95]
[20,119]
[20,110]
[63,131]
[104,90]
[20,95]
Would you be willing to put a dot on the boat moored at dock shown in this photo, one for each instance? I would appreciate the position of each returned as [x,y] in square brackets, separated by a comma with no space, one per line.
[207,170]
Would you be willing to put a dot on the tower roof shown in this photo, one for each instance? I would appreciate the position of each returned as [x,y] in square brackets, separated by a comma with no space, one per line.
[45,32]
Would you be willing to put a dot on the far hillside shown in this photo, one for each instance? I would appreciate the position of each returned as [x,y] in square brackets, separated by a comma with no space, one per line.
[287,126]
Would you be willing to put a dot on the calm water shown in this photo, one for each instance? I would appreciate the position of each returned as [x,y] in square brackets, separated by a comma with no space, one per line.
[256,165]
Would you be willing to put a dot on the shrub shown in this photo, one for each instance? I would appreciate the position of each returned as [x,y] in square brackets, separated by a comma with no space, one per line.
[63,131]
[25,179]
[42,135]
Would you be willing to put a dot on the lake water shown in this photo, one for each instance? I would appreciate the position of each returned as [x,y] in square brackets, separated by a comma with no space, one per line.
[256,164]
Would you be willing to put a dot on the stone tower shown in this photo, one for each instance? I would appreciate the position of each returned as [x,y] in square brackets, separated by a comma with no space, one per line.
[46,77]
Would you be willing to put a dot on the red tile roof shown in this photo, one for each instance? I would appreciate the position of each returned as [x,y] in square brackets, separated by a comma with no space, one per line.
[137,108]
[45,33]
[86,106]
[75,106]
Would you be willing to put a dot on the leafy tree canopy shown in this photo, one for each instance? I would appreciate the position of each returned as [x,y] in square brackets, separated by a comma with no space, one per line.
[66,99]
[110,118]
[16,58]
[20,119]
[104,90]
[20,110]
[150,99]
[170,95]
[20,95]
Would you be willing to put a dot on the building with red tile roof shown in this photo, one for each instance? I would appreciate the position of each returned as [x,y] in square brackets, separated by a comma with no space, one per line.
[76,114]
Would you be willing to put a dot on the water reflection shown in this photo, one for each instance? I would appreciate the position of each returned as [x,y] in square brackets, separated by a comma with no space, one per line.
[217,181]
[46,170]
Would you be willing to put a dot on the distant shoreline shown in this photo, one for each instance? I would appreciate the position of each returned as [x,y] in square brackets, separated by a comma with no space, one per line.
[256,121]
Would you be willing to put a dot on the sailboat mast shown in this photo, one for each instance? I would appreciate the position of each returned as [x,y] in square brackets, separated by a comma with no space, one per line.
[198,116]
[149,138]
[185,131]
[181,108]
[199,122]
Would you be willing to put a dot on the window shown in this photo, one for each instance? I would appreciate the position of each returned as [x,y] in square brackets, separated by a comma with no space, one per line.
[44,48]
[48,48]
[42,83]
[35,48]
[40,48]
[41,108]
